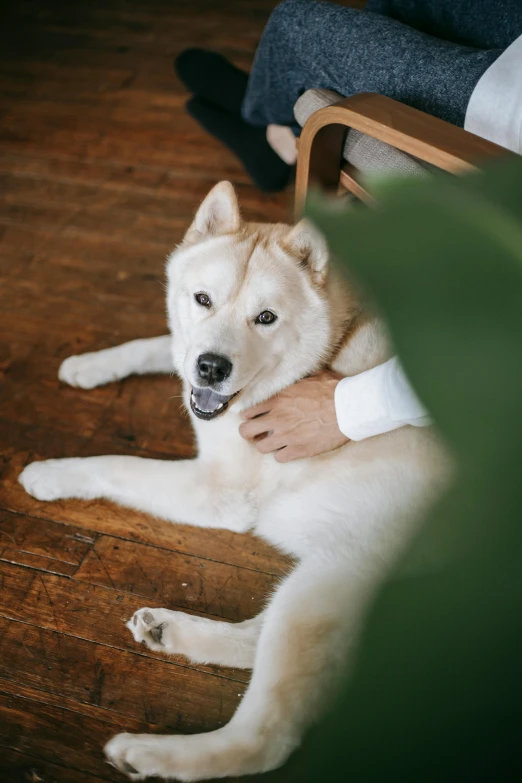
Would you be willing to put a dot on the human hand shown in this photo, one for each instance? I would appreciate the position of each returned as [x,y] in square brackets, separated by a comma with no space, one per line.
[298,422]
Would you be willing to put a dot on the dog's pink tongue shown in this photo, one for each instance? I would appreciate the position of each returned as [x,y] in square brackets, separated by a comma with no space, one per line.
[208,400]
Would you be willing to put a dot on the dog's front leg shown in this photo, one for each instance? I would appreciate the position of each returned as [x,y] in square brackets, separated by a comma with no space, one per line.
[180,491]
[138,357]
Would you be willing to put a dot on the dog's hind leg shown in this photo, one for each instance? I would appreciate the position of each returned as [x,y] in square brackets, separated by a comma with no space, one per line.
[198,638]
[139,357]
[300,652]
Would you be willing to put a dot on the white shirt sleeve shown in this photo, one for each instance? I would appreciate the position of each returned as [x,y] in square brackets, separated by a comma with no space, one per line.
[495,106]
[377,401]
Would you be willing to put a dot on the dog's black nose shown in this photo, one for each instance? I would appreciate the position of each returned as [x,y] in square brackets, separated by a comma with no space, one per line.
[213,368]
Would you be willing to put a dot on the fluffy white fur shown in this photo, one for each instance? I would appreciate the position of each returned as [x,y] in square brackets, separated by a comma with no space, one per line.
[344,516]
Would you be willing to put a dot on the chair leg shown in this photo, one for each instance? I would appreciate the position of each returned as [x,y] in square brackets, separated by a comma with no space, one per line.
[319,161]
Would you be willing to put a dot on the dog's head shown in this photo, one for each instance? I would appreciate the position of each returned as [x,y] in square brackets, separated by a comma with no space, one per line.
[247,305]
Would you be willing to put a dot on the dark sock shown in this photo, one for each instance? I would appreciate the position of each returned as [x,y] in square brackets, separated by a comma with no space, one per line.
[212,77]
[247,142]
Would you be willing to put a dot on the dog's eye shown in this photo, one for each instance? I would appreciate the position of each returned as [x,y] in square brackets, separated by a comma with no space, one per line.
[203,299]
[266,317]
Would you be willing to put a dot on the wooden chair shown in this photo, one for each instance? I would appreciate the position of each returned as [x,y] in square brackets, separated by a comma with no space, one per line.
[427,141]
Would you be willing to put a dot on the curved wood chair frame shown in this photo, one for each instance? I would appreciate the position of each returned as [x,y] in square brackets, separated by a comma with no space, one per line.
[320,162]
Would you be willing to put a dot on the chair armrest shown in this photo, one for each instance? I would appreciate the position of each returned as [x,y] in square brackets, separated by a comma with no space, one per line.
[431,140]
[412,131]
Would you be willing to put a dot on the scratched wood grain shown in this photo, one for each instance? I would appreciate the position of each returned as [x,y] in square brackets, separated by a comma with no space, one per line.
[100,172]
[51,547]
[84,610]
[51,735]
[103,517]
[16,767]
[60,731]
[177,580]
[115,681]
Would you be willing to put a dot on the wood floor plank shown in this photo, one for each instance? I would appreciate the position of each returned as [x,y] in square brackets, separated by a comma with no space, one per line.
[48,546]
[125,143]
[141,414]
[177,580]
[175,186]
[43,739]
[31,393]
[59,734]
[16,767]
[27,245]
[122,683]
[65,218]
[149,190]
[64,703]
[86,611]
[83,326]
[49,729]
[101,170]
[22,444]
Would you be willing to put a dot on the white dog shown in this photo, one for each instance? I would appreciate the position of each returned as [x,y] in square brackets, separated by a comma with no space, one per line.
[253,308]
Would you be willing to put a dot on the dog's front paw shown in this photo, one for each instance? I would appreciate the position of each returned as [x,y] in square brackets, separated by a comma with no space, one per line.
[57,478]
[138,755]
[88,370]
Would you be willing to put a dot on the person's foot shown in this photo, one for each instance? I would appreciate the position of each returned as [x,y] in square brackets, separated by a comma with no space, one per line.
[247,142]
[212,77]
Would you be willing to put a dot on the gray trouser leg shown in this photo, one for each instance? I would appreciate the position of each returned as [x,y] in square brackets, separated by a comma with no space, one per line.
[310,44]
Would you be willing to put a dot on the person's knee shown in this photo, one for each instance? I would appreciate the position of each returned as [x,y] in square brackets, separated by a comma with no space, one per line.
[287,15]
[289,8]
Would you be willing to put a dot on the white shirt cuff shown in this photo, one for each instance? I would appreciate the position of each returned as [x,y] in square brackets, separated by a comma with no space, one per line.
[377,401]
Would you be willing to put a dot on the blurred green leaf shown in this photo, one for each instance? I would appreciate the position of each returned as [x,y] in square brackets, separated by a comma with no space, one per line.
[436,693]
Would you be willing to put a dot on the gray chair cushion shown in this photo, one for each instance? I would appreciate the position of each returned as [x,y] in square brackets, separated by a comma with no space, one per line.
[367,154]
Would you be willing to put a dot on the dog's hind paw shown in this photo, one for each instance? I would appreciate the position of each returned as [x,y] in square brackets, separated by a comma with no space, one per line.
[140,756]
[121,748]
[88,370]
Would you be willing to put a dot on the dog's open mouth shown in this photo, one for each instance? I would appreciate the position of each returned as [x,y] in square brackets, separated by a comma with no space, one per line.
[208,404]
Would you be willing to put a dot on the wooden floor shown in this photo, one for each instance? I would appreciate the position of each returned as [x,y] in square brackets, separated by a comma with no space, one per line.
[100,172]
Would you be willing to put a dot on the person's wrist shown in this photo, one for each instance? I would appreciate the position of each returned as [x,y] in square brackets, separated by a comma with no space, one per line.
[336,401]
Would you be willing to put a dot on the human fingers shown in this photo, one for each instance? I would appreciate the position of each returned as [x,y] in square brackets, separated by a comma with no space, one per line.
[289,453]
[253,428]
[271,442]
[258,410]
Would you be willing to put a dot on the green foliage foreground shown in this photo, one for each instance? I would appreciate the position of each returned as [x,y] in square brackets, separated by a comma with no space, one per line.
[436,694]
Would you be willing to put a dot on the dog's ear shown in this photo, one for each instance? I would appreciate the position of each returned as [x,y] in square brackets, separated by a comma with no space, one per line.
[309,248]
[217,215]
